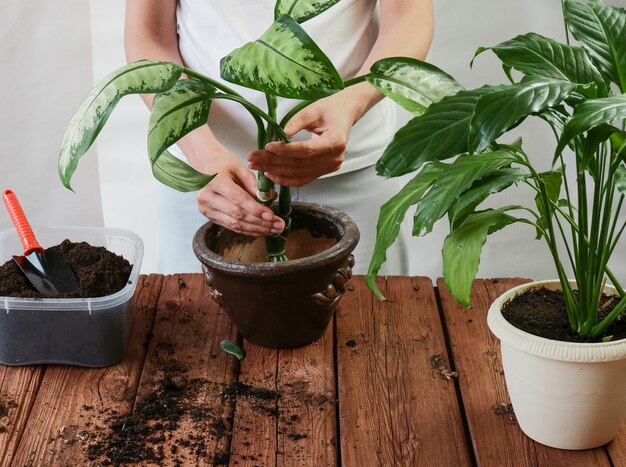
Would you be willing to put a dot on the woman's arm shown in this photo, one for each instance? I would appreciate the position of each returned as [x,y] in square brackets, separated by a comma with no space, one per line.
[406,29]
[230,198]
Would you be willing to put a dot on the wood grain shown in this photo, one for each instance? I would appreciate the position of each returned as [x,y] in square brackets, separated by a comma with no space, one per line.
[496,437]
[286,412]
[66,412]
[185,353]
[396,407]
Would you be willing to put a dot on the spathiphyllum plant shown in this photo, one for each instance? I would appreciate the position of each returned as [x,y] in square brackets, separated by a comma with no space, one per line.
[459,151]
[283,62]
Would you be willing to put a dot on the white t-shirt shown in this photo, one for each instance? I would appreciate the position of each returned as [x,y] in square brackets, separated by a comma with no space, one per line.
[210,29]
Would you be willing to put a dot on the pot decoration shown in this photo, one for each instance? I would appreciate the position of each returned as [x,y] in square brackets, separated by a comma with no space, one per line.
[565,395]
[285,304]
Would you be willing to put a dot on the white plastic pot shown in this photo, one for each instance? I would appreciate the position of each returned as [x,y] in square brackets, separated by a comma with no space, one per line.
[565,395]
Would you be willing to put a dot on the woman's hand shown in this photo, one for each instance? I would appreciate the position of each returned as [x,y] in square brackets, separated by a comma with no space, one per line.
[230,198]
[330,120]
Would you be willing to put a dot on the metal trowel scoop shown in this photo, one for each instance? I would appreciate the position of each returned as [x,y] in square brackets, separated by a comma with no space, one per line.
[46,271]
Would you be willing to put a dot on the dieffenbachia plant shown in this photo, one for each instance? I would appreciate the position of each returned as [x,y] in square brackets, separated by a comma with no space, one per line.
[283,62]
[454,146]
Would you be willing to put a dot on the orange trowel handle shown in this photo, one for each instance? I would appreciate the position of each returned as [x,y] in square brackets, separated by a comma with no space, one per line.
[24,230]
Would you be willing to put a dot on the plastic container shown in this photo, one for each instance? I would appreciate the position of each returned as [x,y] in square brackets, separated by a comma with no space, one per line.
[92,332]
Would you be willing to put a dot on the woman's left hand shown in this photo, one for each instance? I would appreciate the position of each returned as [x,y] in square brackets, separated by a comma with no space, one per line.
[330,120]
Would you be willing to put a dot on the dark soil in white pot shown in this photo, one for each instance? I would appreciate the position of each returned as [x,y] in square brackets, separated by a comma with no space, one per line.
[542,312]
[99,271]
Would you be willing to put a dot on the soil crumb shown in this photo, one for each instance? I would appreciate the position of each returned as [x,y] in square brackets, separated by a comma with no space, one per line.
[438,364]
[99,271]
[542,312]
[505,409]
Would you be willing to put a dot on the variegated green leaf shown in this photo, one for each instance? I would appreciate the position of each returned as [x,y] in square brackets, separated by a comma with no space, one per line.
[391,216]
[177,112]
[302,10]
[620,179]
[502,109]
[176,174]
[411,83]
[539,56]
[136,78]
[601,29]
[463,246]
[591,114]
[285,62]
[454,181]
[440,133]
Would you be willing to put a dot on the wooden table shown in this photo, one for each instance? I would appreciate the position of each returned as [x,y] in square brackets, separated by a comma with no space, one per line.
[414,381]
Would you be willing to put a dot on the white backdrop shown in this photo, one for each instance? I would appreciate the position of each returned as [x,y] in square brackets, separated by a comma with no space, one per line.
[123,171]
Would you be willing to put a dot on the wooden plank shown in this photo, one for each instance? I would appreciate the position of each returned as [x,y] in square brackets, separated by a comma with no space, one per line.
[397,398]
[496,437]
[181,415]
[286,406]
[617,448]
[71,400]
[18,389]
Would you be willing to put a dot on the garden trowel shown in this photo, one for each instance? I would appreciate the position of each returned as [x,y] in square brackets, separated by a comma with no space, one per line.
[44,269]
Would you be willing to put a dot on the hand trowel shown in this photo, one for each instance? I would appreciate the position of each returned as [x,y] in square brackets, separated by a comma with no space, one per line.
[44,269]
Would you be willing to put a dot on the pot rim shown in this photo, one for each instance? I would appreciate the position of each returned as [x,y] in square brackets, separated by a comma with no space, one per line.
[580,352]
[347,242]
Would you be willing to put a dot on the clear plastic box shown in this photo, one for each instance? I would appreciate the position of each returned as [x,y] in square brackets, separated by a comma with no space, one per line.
[92,332]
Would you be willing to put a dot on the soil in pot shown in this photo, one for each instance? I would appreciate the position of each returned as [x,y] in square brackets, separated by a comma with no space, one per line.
[300,244]
[99,271]
[541,312]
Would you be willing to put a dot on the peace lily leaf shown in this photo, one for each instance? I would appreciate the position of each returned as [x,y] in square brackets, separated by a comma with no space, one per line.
[601,30]
[504,108]
[539,56]
[463,246]
[302,10]
[455,180]
[285,62]
[590,114]
[176,174]
[176,113]
[481,190]
[620,179]
[552,181]
[618,142]
[595,137]
[412,83]
[391,216]
[232,348]
[440,133]
[136,78]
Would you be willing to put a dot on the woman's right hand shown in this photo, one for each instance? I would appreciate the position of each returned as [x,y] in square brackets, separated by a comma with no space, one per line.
[230,198]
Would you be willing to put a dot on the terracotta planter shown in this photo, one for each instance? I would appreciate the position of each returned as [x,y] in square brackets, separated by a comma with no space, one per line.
[285,304]
[565,395]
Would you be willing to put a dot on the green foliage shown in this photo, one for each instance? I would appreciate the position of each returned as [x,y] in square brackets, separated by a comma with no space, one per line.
[579,93]
[232,348]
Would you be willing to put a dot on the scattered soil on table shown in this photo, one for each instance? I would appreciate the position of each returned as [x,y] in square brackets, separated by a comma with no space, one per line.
[99,271]
[542,312]
[439,365]
[172,424]
[169,415]
[505,409]
[5,406]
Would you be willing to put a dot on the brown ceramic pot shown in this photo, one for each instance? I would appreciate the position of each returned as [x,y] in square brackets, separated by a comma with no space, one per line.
[286,304]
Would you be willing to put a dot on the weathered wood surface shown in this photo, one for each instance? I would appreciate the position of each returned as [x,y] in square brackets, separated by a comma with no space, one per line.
[379,389]
[397,399]
[496,437]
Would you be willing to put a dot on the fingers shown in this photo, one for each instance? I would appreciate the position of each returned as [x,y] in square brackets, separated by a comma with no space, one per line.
[300,162]
[229,205]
